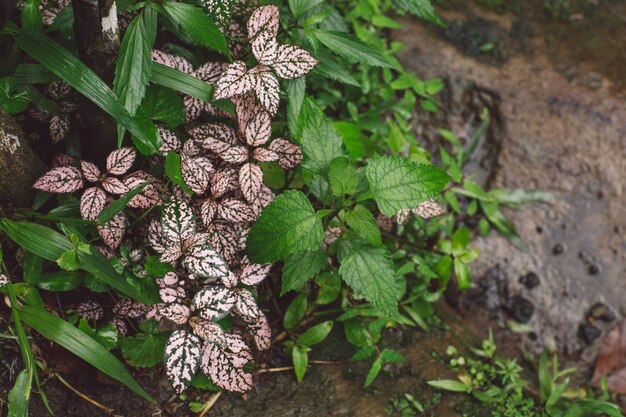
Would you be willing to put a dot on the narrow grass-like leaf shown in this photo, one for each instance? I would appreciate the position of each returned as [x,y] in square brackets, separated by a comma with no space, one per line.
[118,205]
[181,82]
[68,67]
[80,344]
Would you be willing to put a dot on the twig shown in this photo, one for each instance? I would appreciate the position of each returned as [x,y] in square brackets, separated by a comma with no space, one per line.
[210,403]
[290,368]
[283,334]
[84,397]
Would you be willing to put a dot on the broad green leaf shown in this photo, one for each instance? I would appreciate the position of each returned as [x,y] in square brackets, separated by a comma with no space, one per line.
[397,183]
[60,281]
[162,104]
[300,357]
[33,265]
[460,240]
[134,63]
[315,334]
[356,333]
[300,6]
[295,311]
[198,25]
[80,344]
[287,225]
[173,170]
[368,270]
[352,138]
[107,335]
[449,385]
[118,205]
[34,74]
[19,396]
[68,67]
[420,8]
[343,177]
[181,82]
[392,356]
[13,95]
[374,371]
[362,221]
[144,350]
[295,93]
[329,287]
[300,267]
[31,16]
[321,143]
[351,48]
[68,260]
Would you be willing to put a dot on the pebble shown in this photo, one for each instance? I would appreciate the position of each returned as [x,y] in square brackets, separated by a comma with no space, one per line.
[558,249]
[600,311]
[520,309]
[588,333]
[595,269]
[530,280]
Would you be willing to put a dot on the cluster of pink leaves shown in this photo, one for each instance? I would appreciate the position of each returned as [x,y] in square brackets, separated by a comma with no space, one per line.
[60,93]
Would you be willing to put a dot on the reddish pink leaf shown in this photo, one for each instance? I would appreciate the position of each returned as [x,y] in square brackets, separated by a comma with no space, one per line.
[258,128]
[172,61]
[289,154]
[172,294]
[261,332]
[230,281]
[129,308]
[114,186]
[92,203]
[182,359]
[214,137]
[265,197]
[224,365]
[90,171]
[293,62]
[59,126]
[235,154]
[253,274]
[154,236]
[214,302]
[170,279]
[209,331]
[62,159]
[170,140]
[113,230]
[265,48]
[208,211]
[264,155]
[171,254]
[220,182]
[194,174]
[194,108]
[120,160]
[205,262]
[235,211]
[176,313]
[89,310]
[177,220]
[251,181]
[191,149]
[264,18]
[429,209]
[151,195]
[267,88]
[246,307]
[210,72]
[224,240]
[64,179]
[236,80]
[246,107]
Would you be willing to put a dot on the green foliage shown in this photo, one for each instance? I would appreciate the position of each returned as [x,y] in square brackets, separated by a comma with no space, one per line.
[300,267]
[144,349]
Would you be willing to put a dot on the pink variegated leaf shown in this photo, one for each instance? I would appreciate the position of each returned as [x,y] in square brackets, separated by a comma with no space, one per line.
[258,128]
[92,203]
[120,325]
[172,294]
[235,154]
[428,209]
[235,80]
[230,281]
[194,175]
[197,239]
[289,154]
[129,308]
[113,230]
[210,72]
[170,140]
[155,238]
[224,365]
[154,311]
[176,313]
[214,302]
[267,88]
[264,155]
[246,106]
[293,62]
[261,332]
[253,274]
[151,195]
[89,310]
[224,240]
[385,223]
[182,359]
[220,10]
[191,149]
[251,181]
[105,251]
[214,137]
[62,159]
[209,331]
[120,160]
[235,211]
[114,186]
[246,307]
[171,254]
[58,90]
[170,279]
[194,108]
[265,48]
[172,61]
[265,197]
[177,220]
[208,211]
[63,179]
[205,262]
[59,126]
[241,231]
[264,18]
[90,171]
[220,182]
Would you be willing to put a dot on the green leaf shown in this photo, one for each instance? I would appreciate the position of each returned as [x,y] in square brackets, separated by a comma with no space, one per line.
[420,8]
[106,335]
[68,260]
[356,333]
[287,225]
[60,281]
[368,270]
[351,48]
[295,94]
[33,266]
[295,311]
[144,350]
[397,183]
[198,25]
[449,385]
[300,357]
[181,82]
[13,95]
[329,288]
[162,104]
[300,6]
[362,221]
[321,143]
[31,16]
[80,344]
[352,138]
[68,67]
[460,240]
[19,396]
[155,268]
[300,267]
[392,356]
[330,68]
[343,177]
[374,371]
[173,170]
[118,205]
[315,334]
[134,62]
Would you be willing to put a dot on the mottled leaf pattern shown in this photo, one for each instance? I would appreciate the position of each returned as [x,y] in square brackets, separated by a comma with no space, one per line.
[172,61]
[267,88]
[235,211]
[245,306]
[209,331]
[92,203]
[90,171]
[224,365]
[429,209]
[4,280]
[194,174]
[120,160]
[265,48]
[261,332]
[236,80]
[176,313]
[63,179]
[292,62]
[235,154]
[182,359]
[170,140]
[258,128]
[214,302]
[264,18]
[151,195]
[289,154]
[114,186]
[264,155]
[251,180]
[253,274]
[205,262]
[208,211]
[220,182]
[214,137]
[113,230]
[177,220]
[155,239]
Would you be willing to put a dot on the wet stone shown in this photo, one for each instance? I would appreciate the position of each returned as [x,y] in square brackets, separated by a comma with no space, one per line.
[600,311]
[588,333]
[530,280]
[520,309]
[558,249]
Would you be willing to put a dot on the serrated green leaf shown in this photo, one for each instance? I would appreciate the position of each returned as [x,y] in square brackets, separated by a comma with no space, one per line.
[397,183]
[351,48]
[287,225]
[362,221]
[420,8]
[330,68]
[162,104]
[300,6]
[343,177]
[197,24]
[368,270]
[321,143]
[144,350]
[295,93]
[300,267]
